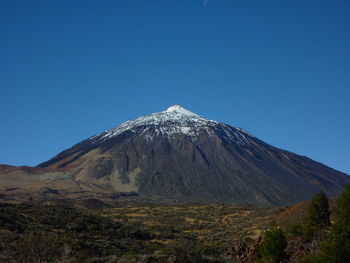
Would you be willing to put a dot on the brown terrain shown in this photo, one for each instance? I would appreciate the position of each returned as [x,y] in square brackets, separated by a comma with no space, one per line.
[169,157]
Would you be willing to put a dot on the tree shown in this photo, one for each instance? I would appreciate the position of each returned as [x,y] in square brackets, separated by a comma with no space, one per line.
[319,211]
[318,217]
[342,209]
[336,247]
[272,247]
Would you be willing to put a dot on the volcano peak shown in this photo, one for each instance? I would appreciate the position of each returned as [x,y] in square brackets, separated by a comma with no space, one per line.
[176,155]
[179,109]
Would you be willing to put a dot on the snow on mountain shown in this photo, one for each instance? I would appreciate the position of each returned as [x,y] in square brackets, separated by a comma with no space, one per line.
[175,119]
[178,155]
[179,109]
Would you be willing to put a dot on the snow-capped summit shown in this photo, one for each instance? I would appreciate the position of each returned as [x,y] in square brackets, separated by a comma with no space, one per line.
[178,108]
[174,119]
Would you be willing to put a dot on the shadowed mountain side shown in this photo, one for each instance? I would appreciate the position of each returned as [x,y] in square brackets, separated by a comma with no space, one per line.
[177,155]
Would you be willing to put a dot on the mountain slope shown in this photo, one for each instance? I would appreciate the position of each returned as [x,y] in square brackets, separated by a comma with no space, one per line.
[177,155]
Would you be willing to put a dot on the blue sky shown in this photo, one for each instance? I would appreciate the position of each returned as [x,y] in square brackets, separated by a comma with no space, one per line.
[71,69]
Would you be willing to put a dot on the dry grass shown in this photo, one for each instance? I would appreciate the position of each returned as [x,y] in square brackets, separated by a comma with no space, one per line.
[212,224]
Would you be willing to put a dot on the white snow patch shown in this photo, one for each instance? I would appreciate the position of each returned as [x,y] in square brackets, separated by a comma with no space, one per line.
[177,108]
[173,120]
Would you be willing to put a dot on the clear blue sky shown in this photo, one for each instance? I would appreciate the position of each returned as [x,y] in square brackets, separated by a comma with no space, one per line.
[279,69]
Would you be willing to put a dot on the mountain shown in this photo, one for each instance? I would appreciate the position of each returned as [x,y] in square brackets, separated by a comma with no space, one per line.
[176,156]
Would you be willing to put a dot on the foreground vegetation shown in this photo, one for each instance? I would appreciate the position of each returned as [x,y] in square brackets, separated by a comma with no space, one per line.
[49,232]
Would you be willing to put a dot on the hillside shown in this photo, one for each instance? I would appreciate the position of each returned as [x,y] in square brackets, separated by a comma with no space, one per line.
[68,231]
[174,156]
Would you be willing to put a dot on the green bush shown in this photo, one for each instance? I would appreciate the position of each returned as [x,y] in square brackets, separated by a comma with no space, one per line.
[186,251]
[308,233]
[311,258]
[272,247]
[343,208]
[33,248]
[294,230]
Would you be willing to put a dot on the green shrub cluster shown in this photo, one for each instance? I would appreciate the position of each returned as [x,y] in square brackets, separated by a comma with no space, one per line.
[272,248]
[54,232]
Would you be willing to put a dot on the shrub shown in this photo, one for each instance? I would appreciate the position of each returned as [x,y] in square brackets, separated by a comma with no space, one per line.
[33,248]
[294,230]
[311,258]
[343,208]
[272,247]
